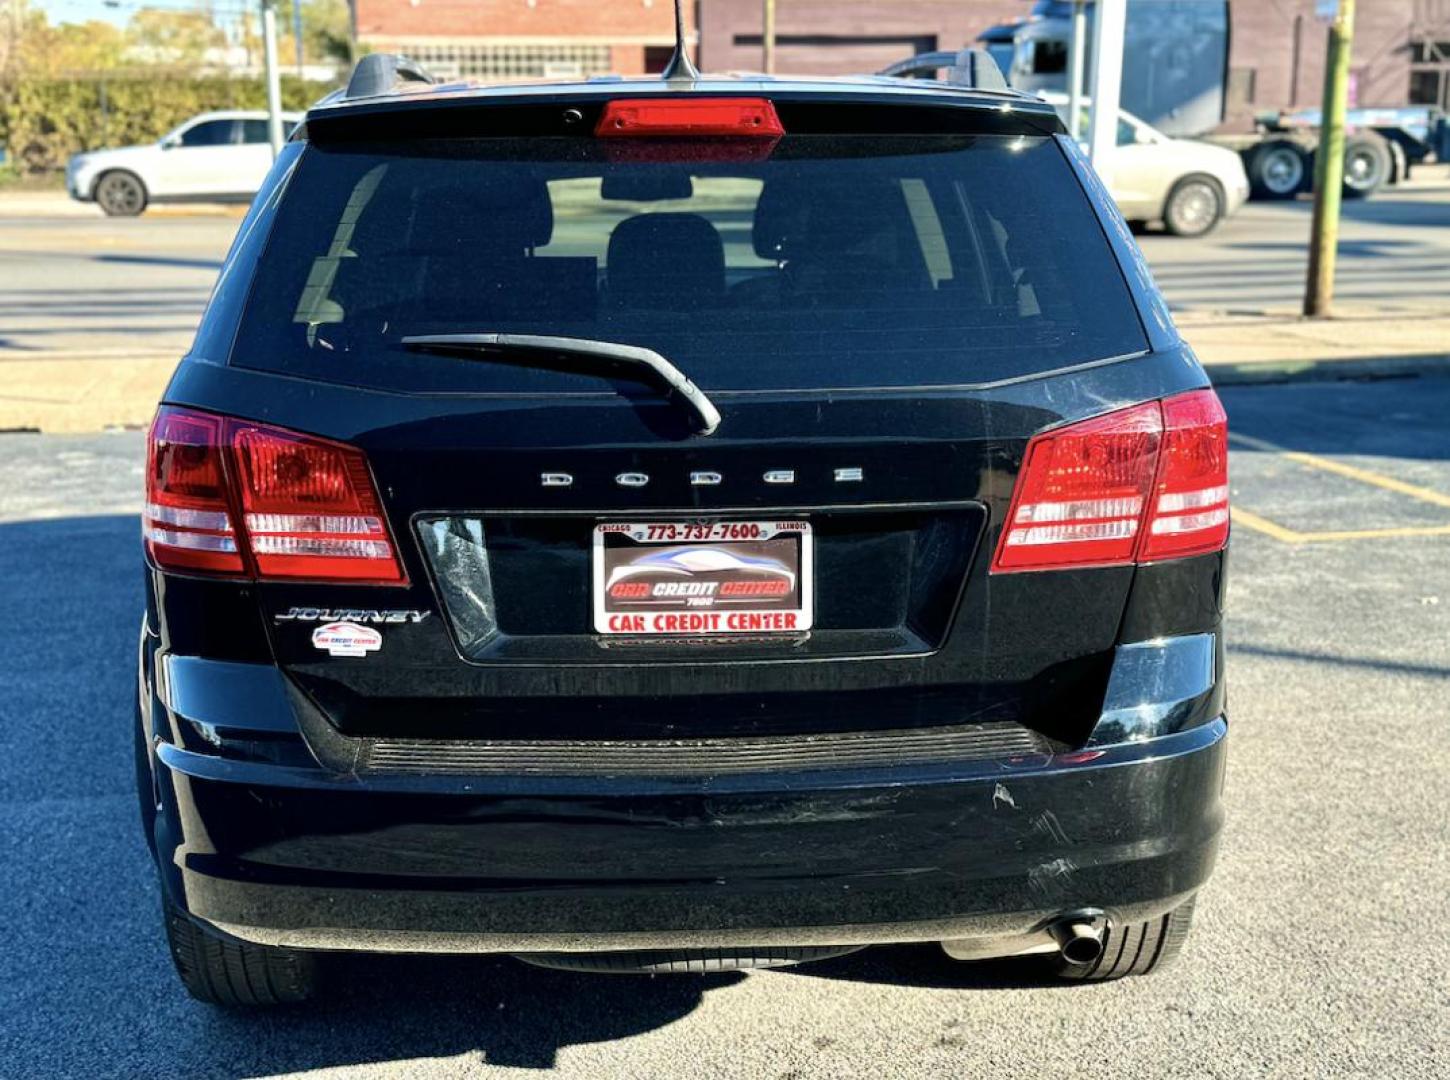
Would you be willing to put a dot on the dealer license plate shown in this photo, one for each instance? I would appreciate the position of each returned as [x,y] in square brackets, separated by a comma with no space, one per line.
[688,579]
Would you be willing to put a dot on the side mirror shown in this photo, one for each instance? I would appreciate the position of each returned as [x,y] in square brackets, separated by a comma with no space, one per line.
[171,142]
[1141,137]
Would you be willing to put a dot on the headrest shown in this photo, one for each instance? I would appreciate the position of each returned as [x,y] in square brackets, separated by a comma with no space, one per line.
[665,258]
[794,217]
[519,202]
[498,213]
[780,213]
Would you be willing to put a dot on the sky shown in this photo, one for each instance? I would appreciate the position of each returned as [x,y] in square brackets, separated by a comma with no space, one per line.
[119,11]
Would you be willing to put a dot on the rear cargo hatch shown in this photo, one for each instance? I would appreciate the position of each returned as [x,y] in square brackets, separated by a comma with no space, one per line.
[583,562]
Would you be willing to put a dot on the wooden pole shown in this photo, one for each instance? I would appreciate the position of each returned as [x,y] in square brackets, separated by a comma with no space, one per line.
[1329,166]
[767,38]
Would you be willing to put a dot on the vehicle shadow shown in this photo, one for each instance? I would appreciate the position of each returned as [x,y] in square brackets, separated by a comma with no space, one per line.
[495,1010]
[926,966]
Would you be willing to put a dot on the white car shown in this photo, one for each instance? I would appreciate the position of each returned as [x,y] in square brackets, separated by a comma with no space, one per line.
[213,157]
[1189,186]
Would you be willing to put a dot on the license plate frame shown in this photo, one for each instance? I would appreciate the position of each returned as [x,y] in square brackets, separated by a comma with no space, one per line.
[750,558]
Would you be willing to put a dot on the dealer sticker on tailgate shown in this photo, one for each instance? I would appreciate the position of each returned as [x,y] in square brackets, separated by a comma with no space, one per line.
[696,578]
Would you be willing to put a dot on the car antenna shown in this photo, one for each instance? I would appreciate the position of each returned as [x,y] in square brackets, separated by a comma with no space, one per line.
[680,66]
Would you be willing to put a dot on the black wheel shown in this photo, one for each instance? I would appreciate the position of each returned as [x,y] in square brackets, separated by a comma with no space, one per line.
[1399,162]
[1136,949]
[235,973]
[1278,170]
[1194,206]
[121,194]
[1367,166]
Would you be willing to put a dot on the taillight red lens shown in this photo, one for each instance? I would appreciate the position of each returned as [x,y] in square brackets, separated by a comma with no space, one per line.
[1189,514]
[310,510]
[1145,483]
[1080,498]
[689,118]
[187,524]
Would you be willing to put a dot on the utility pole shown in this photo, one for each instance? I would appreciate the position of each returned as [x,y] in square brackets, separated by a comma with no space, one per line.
[1329,165]
[297,33]
[1110,23]
[767,37]
[1075,66]
[274,76]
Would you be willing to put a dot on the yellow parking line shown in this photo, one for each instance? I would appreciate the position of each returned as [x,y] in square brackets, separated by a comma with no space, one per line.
[1377,534]
[1363,476]
[1251,520]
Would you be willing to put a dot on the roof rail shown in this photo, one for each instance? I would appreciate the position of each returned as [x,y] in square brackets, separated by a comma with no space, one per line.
[383,73]
[967,67]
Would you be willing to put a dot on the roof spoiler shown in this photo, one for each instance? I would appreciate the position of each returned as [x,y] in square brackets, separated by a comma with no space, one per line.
[968,67]
[384,73]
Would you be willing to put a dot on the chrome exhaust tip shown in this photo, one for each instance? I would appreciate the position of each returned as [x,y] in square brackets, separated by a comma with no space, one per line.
[1078,941]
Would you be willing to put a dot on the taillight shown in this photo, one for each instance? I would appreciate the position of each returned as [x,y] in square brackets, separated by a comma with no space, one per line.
[188,523]
[1145,483]
[309,507]
[1189,515]
[690,118]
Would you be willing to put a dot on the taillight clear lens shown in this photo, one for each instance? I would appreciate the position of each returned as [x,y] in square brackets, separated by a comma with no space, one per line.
[310,510]
[1189,515]
[187,524]
[1142,484]
[1080,496]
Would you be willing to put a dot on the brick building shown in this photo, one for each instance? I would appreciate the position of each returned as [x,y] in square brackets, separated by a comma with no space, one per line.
[1276,58]
[503,40]
[1276,51]
[834,37]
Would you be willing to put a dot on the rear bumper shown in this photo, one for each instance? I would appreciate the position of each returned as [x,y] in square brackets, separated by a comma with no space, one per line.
[985,849]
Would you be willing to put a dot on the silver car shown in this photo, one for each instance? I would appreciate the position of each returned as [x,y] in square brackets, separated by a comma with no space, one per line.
[1189,186]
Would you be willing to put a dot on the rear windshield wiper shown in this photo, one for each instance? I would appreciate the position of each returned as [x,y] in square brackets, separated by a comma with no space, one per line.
[578,354]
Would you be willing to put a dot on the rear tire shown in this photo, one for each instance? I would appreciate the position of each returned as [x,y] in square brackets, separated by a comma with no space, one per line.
[1367,166]
[1399,163]
[1137,948]
[220,971]
[120,194]
[1277,170]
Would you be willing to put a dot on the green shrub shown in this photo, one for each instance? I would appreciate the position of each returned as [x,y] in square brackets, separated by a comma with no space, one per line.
[44,121]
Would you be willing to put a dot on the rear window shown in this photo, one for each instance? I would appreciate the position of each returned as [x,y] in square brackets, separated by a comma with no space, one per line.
[835,262]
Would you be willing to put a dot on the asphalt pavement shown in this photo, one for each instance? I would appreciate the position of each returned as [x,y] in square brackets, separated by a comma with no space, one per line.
[96,287]
[1320,946]
[1394,254]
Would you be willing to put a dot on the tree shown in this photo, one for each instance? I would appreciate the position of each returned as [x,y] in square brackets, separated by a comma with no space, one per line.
[46,51]
[178,38]
[326,28]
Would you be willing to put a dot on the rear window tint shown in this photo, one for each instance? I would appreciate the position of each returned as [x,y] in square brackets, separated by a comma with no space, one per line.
[836,262]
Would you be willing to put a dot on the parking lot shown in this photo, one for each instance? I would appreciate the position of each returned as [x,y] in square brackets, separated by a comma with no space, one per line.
[1319,945]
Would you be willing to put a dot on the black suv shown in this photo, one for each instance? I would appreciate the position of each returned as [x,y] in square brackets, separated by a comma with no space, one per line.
[650,525]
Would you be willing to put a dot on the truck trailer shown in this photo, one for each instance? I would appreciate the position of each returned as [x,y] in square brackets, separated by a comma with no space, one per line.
[1175,77]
